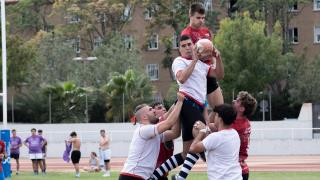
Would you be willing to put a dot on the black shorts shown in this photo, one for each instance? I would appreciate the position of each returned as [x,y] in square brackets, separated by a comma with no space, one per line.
[245,176]
[128,177]
[75,156]
[212,84]
[14,155]
[191,112]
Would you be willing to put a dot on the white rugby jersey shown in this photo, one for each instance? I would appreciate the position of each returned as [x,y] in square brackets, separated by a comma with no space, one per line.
[143,152]
[196,85]
[223,155]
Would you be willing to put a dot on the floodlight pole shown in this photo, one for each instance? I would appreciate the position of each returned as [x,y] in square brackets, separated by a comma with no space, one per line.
[83,59]
[4,65]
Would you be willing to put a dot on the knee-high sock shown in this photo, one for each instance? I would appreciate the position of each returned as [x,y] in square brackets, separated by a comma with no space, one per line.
[188,163]
[171,163]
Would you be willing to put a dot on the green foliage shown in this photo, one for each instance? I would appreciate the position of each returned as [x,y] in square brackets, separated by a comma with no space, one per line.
[68,102]
[304,83]
[251,59]
[168,59]
[30,15]
[132,88]
[171,96]
[68,105]
[19,56]
[31,107]
[92,19]
[113,56]
[53,61]
[168,12]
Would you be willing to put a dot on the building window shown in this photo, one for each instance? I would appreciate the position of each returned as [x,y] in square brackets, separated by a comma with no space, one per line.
[75,43]
[293,7]
[158,97]
[233,6]
[175,41]
[153,42]
[128,41]
[316,5]
[293,35]
[317,34]
[74,19]
[101,17]
[126,16]
[97,42]
[148,13]
[153,71]
[208,5]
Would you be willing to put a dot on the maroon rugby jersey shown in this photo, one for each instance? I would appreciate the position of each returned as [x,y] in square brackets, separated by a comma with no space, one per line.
[196,35]
[2,151]
[164,153]
[243,127]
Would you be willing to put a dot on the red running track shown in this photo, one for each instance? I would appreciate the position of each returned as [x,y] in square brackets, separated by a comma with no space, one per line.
[256,163]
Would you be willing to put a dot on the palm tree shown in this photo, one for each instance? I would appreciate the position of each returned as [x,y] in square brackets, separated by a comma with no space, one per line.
[124,91]
[68,101]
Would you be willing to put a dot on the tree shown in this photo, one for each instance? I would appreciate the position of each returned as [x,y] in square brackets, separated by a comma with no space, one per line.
[92,19]
[304,85]
[68,102]
[132,88]
[252,60]
[114,56]
[53,60]
[30,107]
[19,56]
[168,59]
[171,95]
[30,15]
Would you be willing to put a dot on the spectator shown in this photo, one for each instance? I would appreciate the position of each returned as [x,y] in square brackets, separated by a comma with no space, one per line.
[35,143]
[15,144]
[44,151]
[93,163]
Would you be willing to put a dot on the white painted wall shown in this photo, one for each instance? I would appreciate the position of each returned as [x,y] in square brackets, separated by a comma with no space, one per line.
[281,137]
[288,137]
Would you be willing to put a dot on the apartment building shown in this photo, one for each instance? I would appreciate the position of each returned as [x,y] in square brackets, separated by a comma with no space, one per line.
[304,28]
[304,35]
[152,49]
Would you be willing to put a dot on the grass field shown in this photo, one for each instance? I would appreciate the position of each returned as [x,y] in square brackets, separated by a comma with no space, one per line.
[193,175]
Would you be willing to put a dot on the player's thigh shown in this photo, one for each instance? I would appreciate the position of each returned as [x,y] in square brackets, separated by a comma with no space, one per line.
[190,113]
[215,98]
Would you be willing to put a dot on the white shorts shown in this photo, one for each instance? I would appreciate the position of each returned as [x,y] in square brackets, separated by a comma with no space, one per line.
[105,154]
[36,156]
